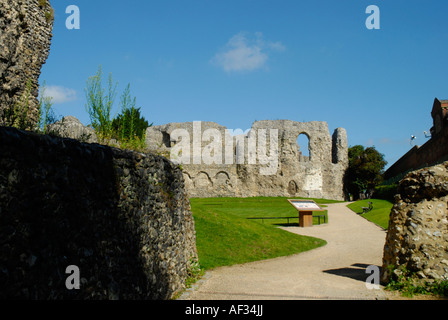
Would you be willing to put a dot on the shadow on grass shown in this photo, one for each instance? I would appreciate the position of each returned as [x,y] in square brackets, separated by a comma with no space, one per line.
[292,224]
[295,224]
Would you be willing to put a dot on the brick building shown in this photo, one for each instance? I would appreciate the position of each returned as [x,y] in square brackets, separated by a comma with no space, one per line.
[434,151]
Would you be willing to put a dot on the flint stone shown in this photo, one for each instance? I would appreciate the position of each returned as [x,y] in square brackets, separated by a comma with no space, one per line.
[419,210]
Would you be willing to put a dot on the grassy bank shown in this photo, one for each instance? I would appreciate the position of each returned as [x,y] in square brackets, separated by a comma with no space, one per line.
[379,214]
[225,236]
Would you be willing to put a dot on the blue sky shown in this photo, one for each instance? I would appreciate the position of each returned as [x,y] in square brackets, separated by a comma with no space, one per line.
[237,61]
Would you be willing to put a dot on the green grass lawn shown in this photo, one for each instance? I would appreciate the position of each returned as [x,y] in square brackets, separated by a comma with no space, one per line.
[380,213]
[224,235]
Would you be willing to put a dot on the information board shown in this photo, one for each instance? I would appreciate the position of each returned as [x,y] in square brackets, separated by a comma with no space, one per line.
[305,205]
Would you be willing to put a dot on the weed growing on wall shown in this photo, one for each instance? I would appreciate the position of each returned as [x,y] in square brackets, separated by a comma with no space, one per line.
[46,113]
[17,114]
[99,104]
[128,128]
[405,282]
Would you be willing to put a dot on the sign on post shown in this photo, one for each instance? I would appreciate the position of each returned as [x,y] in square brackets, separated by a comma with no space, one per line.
[305,209]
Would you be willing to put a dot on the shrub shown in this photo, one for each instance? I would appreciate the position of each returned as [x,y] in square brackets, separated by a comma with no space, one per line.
[128,128]
[386,192]
[129,123]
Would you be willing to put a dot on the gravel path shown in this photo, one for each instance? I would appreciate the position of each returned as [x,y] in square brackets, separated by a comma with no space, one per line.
[334,271]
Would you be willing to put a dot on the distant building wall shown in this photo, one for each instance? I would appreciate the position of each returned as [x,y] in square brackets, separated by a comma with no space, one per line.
[434,151]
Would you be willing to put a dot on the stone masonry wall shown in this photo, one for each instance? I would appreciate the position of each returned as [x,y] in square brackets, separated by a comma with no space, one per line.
[417,238]
[25,36]
[122,217]
[320,175]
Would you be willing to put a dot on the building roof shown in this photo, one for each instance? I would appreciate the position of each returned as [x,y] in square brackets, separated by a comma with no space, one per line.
[443,104]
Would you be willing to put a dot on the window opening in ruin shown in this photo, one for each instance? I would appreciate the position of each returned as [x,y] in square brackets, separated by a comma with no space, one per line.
[304,147]
[166,139]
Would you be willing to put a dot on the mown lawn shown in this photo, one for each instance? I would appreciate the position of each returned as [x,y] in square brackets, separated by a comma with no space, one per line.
[224,235]
[380,213]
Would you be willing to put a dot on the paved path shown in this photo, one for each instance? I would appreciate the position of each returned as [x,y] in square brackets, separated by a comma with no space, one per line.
[334,271]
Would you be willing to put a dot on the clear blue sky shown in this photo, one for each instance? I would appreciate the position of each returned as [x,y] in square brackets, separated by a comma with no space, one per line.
[237,61]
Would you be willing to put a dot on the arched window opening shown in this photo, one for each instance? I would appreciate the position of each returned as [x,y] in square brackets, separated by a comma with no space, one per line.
[304,147]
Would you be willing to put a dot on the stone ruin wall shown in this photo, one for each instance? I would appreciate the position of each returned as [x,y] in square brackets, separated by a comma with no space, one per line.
[318,176]
[122,217]
[25,37]
[417,237]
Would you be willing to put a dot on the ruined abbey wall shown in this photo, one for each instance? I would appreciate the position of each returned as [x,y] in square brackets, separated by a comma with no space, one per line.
[122,217]
[25,36]
[265,162]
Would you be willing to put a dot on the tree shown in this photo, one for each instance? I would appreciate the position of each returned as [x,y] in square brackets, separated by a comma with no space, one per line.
[129,124]
[365,169]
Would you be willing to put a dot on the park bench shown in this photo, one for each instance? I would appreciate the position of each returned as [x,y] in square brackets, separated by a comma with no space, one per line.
[367,209]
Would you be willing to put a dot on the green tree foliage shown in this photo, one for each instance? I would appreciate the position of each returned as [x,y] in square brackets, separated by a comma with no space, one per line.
[365,169]
[128,128]
[129,123]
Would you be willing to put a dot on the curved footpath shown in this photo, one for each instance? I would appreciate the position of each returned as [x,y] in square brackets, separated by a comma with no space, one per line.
[334,271]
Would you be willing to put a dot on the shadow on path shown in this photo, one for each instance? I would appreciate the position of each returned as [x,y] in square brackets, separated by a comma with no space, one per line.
[356,271]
